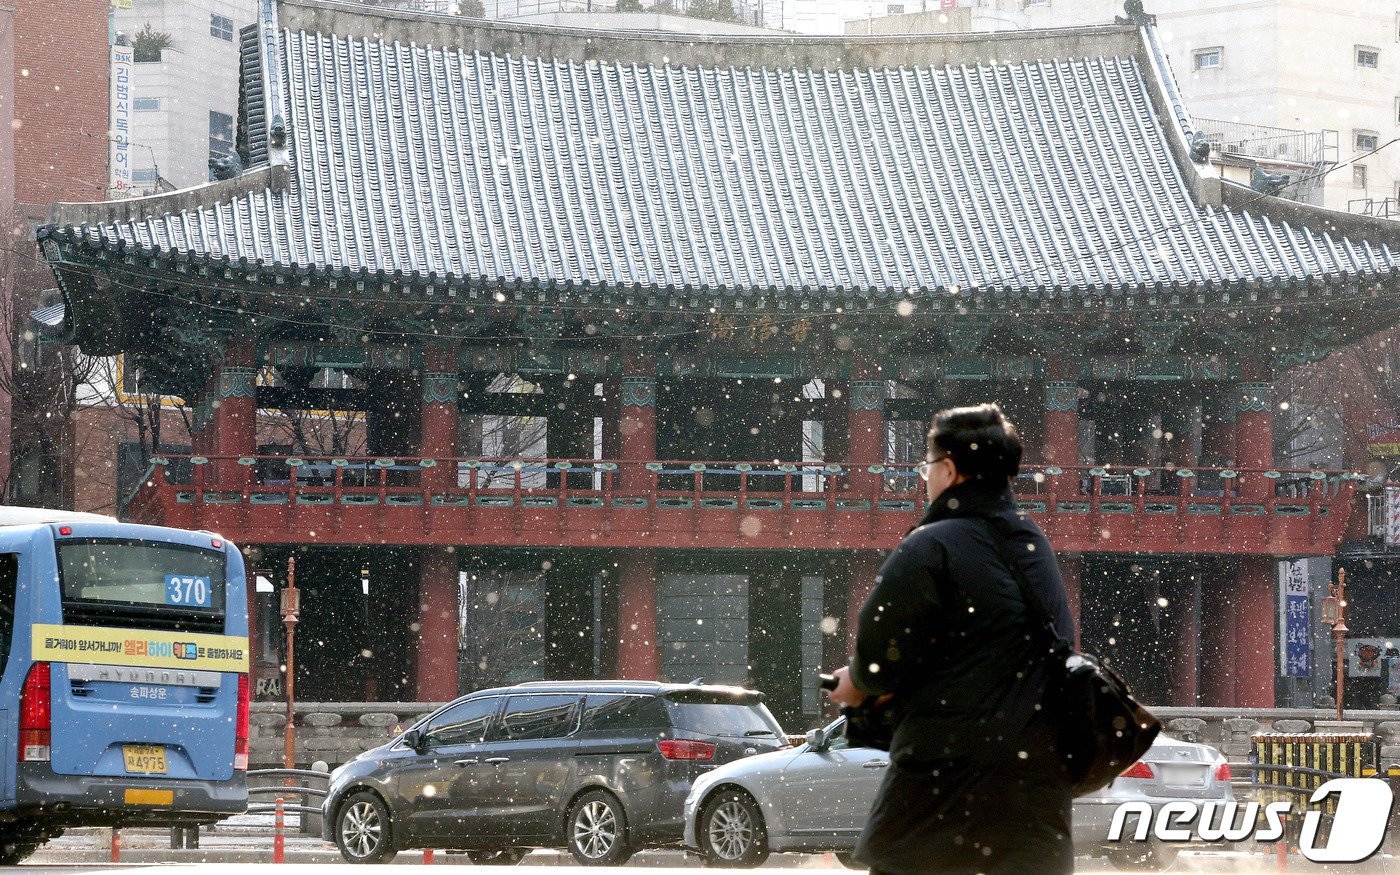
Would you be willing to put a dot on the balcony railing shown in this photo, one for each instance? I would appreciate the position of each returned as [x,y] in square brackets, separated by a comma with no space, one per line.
[719,503]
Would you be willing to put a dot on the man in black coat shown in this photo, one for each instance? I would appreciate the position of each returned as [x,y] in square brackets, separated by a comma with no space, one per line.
[975,783]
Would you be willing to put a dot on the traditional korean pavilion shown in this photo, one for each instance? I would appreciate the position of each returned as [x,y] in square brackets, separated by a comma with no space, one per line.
[727,278]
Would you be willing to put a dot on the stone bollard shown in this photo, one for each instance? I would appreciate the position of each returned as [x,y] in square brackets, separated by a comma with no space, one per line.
[1389,731]
[1239,732]
[311,823]
[1187,729]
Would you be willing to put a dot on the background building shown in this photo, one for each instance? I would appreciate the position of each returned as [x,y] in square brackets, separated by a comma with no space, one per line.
[1266,78]
[54,99]
[186,86]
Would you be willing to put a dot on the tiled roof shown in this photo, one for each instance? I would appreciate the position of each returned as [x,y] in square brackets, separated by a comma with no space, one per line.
[1050,177]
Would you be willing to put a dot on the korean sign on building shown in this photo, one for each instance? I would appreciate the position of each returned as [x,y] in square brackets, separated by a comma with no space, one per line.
[123,65]
[1295,618]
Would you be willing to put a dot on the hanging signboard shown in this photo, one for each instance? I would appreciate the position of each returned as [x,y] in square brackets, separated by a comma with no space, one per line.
[1365,657]
[123,65]
[1295,621]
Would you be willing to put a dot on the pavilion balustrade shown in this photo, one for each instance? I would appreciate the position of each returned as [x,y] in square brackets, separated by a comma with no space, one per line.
[723,484]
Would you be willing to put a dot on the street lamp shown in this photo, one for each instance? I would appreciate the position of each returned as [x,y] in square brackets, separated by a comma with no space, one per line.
[291,605]
[1334,614]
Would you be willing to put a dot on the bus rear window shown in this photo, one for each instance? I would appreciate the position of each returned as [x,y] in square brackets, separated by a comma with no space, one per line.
[159,585]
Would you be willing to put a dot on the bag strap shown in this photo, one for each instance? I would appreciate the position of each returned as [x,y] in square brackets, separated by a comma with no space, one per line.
[1037,609]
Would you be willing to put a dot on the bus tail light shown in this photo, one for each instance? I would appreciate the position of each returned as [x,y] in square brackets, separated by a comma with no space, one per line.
[240,732]
[36,716]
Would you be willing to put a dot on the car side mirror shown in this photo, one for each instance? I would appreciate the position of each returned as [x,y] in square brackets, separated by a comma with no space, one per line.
[817,740]
[415,740]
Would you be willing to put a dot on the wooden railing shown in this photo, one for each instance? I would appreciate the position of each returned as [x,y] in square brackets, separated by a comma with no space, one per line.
[864,502]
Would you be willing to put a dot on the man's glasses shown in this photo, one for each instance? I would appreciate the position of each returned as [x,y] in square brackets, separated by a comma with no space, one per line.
[924,468]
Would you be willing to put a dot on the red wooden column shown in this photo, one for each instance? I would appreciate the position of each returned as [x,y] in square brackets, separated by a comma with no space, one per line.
[1218,430]
[1186,642]
[864,566]
[234,418]
[1062,423]
[1254,437]
[438,439]
[1219,609]
[438,598]
[1256,657]
[866,429]
[637,427]
[1071,573]
[638,658]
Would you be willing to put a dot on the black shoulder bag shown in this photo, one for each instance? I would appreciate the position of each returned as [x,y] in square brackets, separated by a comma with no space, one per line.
[1102,729]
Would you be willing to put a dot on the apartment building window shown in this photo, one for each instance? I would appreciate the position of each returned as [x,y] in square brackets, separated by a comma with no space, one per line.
[1037,2]
[220,27]
[1368,57]
[1358,176]
[1365,141]
[220,135]
[1208,59]
[894,8]
[146,104]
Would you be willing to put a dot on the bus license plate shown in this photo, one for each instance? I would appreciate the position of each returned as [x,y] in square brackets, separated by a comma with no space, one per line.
[146,759]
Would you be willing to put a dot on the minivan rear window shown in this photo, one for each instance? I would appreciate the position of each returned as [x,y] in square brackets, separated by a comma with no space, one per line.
[724,718]
[155,584]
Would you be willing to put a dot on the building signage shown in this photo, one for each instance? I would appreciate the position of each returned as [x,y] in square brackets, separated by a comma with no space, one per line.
[1383,441]
[123,67]
[1296,619]
[1392,515]
[139,647]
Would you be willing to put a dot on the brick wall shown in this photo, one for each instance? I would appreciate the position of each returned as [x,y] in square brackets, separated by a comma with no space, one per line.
[61,75]
[58,74]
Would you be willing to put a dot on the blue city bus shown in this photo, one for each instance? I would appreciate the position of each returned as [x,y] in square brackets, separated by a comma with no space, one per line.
[124,681]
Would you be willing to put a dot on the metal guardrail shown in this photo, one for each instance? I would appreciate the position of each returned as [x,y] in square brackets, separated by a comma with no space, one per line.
[287,790]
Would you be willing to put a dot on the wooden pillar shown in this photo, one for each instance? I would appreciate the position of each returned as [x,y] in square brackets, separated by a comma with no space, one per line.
[1218,429]
[637,427]
[1185,614]
[1218,615]
[1071,574]
[1062,423]
[438,434]
[1254,438]
[637,654]
[437,625]
[865,566]
[234,416]
[866,434]
[1256,656]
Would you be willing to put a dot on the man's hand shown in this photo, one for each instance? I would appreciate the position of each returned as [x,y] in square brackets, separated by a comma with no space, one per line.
[845,692]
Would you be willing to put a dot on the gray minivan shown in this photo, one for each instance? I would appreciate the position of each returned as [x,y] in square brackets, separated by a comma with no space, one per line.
[599,767]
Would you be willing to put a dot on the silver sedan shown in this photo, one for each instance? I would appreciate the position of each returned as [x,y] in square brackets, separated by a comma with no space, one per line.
[815,798]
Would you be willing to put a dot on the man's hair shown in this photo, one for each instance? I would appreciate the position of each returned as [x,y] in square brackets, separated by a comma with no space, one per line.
[980,439]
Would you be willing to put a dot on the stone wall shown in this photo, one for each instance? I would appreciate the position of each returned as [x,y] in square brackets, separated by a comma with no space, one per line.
[335,731]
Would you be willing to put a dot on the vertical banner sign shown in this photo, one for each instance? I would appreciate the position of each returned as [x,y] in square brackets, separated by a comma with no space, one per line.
[123,64]
[1392,514]
[1295,626]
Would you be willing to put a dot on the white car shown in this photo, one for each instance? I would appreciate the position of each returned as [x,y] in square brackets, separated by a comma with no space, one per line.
[816,797]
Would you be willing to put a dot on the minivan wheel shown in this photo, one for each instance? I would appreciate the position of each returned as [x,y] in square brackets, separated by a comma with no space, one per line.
[506,857]
[848,859]
[732,834]
[362,830]
[597,830]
